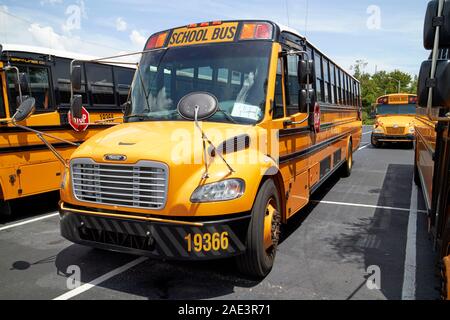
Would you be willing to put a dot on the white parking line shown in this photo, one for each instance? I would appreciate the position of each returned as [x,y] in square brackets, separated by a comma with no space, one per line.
[409,274]
[28,221]
[365,206]
[85,287]
[363,147]
[367,132]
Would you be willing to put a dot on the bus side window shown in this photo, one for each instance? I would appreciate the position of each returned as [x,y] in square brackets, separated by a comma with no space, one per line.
[319,81]
[292,86]
[278,108]
[326,78]
[100,84]
[39,82]
[62,82]
[123,77]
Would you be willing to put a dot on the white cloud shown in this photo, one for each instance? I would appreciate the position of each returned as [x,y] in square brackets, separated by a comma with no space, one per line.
[52,2]
[121,24]
[137,39]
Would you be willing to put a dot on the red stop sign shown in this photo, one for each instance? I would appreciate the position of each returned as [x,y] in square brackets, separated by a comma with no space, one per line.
[317,118]
[81,124]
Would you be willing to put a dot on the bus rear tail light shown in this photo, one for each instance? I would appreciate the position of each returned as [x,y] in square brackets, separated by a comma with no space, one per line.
[258,31]
[156,41]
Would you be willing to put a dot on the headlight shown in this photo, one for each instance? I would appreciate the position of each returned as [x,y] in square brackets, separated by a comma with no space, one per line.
[412,130]
[219,191]
[63,180]
[378,130]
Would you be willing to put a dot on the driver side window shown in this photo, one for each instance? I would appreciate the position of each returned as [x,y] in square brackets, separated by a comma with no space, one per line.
[39,88]
[2,102]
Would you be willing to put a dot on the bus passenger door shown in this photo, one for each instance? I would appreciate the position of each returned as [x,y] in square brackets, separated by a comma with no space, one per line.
[292,138]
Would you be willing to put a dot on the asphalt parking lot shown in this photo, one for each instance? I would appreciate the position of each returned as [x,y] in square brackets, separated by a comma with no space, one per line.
[374,219]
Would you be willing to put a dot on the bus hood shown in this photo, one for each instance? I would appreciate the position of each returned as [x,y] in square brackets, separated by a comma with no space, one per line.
[170,142]
[396,120]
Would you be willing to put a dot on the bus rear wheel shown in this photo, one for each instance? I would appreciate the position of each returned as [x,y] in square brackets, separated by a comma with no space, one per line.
[348,165]
[5,208]
[263,233]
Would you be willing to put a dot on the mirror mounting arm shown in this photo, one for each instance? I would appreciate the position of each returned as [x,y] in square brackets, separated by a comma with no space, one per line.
[41,136]
[8,68]
[205,152]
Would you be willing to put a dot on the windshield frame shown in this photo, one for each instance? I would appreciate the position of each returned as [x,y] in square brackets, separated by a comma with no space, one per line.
[267,45]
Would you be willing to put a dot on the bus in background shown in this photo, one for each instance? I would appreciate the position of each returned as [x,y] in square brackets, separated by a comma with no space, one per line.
[394,119]
[231,127]
[27,167]
[432,149]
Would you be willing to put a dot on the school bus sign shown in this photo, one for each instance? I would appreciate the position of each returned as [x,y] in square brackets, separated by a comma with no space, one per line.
[196,34]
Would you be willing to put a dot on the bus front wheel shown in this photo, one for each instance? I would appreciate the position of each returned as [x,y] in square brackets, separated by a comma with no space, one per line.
[263,233]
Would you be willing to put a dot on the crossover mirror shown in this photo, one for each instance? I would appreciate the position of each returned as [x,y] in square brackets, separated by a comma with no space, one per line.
[76,105]
[198,106]
[25,110]
[441,85]
[432,21]
[306,68]
[75,77]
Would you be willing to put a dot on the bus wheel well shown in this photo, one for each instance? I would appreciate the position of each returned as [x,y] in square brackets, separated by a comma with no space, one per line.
[278,180]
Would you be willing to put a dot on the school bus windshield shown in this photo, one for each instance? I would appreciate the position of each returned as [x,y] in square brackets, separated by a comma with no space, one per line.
[401,109]
[235,73]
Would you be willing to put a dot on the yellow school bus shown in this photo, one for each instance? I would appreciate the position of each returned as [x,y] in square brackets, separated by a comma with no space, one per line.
[230,127]
[432,156]
[394,119]
[27,167]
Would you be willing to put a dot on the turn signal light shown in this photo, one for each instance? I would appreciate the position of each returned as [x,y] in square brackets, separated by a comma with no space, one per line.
[412,100]
[156,41]
[256,31]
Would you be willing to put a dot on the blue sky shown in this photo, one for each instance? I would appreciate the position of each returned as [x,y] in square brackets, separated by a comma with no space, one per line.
[386,34]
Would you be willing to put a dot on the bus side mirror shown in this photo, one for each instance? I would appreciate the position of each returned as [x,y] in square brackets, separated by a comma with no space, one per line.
[306,68]
[441,85]
[75,77]
[25,110]
[303,100]
[76,106]
[126,107]
[431,22]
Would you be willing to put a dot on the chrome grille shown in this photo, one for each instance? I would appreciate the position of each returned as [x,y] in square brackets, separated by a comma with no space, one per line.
[143,185]
[392,130]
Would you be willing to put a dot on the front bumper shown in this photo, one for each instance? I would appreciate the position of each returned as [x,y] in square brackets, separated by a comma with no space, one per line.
[379,137]
[153,239]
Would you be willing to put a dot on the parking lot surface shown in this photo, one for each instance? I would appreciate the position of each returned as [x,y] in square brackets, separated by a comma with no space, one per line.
[373,221]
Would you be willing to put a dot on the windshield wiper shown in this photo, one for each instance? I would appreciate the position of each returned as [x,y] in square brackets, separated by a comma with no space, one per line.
[140,116]
[228,116]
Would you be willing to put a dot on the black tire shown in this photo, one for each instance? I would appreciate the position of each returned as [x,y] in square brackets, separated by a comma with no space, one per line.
[5,208]
[374,143]
[416,171]
[257,261]
[348,165]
